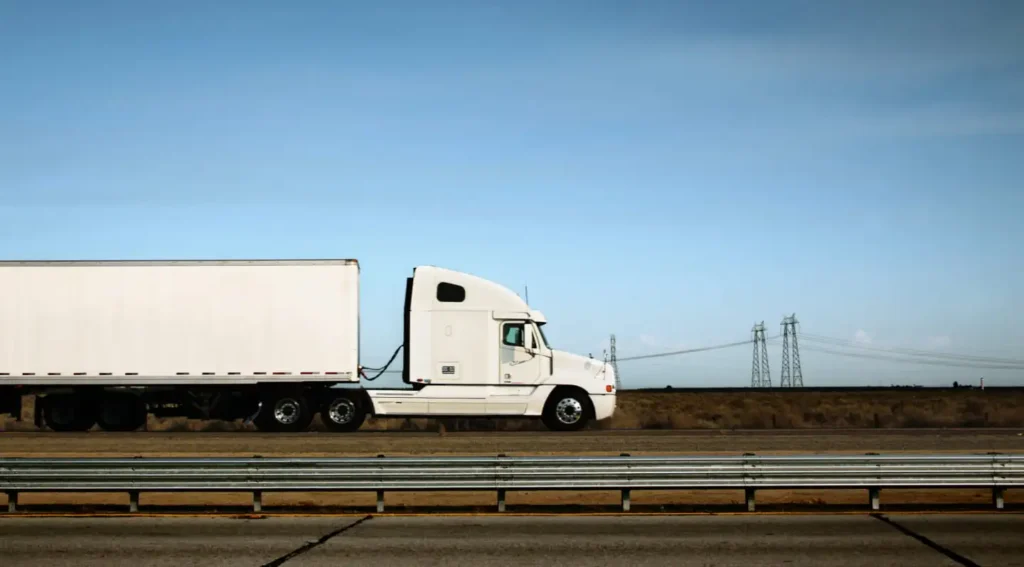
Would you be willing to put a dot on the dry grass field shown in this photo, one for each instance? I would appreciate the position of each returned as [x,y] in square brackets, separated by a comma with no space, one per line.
[896,408]
[687,410]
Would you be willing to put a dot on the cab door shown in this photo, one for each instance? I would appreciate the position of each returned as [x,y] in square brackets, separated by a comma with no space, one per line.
[519,354]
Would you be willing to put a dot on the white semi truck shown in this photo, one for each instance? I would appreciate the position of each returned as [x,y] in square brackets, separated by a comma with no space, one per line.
[275,341]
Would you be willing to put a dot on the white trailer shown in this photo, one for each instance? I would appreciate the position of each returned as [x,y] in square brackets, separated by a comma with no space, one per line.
[276,341]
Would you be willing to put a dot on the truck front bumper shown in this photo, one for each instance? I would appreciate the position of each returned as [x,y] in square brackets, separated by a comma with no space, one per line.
[604,406]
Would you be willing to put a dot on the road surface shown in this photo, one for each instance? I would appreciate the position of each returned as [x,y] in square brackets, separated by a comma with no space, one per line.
[482,541]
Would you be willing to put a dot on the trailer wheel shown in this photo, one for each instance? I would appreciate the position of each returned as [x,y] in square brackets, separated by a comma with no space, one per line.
[343,412]
[567,410]
[67,412]
[121,412]
[284,412]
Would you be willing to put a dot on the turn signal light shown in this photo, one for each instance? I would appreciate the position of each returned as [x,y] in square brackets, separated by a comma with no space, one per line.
[608,388]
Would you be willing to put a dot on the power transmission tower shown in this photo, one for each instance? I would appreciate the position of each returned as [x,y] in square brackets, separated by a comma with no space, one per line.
[615,364]
[791,377]
[760,377]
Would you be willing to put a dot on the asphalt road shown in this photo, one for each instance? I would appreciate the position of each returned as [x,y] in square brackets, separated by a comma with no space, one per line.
[835,540]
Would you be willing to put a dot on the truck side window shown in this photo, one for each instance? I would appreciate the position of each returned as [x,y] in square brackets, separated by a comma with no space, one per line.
[513,335]
[450,293]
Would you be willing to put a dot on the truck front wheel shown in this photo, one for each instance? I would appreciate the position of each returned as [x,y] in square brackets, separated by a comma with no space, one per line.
[284,412]
[343,412]
[567,410]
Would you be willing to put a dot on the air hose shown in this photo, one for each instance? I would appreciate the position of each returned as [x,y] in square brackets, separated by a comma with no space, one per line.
[379,371]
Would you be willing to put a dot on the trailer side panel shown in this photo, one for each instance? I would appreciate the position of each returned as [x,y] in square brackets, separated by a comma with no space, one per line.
[89,321]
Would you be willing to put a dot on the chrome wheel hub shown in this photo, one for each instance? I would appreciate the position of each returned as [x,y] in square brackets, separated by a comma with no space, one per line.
[569,411]
[287,411]
[341,411]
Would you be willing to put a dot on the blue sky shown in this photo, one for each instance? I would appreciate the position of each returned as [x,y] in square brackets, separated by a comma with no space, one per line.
[671,172]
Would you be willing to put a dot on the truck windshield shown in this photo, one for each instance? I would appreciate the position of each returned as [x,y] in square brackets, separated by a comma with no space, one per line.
[543,337]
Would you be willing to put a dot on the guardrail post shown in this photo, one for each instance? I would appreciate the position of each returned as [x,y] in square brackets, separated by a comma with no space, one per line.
[874,494]
[133,501]
[997,497]
[625,491]
[499,478]
[12,502]
[380,493]
[253,476]
[748,493]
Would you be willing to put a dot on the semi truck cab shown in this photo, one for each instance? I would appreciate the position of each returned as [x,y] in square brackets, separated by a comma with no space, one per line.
[474,347]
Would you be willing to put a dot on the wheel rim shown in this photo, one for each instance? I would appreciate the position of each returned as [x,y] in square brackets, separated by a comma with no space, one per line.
[341,411]
[287,411]
[569,411]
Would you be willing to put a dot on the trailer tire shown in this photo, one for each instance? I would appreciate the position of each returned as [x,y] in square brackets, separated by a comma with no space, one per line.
[567,409]
[284,411]
[343,412]
[121,412]
[67,412]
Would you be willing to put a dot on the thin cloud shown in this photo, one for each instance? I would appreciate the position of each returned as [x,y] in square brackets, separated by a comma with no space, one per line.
[938,342]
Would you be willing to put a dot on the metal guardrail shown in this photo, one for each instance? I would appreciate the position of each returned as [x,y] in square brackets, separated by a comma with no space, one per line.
[500,474]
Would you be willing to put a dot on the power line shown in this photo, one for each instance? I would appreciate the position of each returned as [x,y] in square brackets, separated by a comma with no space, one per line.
[889,358]
[910,351]
[616,359]
[686,351]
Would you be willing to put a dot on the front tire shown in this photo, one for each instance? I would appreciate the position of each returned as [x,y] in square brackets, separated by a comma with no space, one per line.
[284,412]
[343,412]
[567,410]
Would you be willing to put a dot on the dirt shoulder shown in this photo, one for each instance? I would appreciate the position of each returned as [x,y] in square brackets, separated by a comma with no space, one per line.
[510,443]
